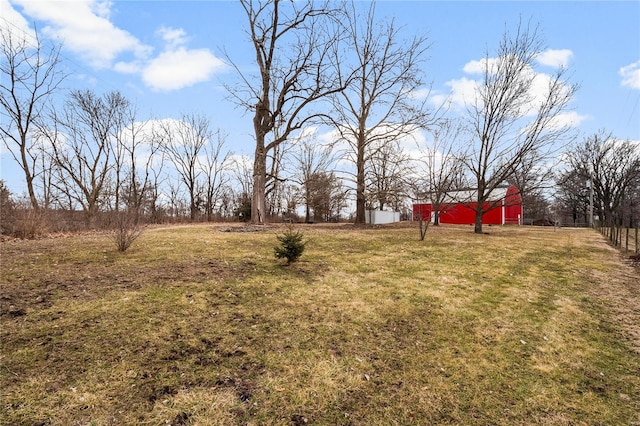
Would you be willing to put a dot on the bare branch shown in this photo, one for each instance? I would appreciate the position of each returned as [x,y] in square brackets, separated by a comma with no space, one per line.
[29,75]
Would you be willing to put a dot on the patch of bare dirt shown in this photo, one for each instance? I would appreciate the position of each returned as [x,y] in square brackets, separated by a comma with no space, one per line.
[246,228]
[92,281]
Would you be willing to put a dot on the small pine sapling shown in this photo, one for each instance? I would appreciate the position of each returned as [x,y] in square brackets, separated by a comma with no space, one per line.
[291,246]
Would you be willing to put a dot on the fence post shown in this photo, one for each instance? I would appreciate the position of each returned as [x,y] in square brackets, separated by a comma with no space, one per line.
[619,236]
[626,244]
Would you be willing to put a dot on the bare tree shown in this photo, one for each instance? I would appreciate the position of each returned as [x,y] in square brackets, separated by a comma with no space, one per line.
[156,178]
[310,159]
[290,198]
[275,181]
[29,76]
[572,196]
[291,44]
[82,140]
[507,121]
[177,203]
[136,152]
[183,141]
[533,177]
[613,166]
[214,164]
[440,167]
[386,176]
[243,187]
[326,196]
[382,73]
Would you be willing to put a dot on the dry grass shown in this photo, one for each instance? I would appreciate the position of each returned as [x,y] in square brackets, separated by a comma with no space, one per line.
[372,326]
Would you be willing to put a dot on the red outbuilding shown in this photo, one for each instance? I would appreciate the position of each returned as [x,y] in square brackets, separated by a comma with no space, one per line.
[503,207]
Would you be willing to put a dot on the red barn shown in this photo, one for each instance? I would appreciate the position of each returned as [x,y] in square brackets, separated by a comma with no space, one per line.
[504,207]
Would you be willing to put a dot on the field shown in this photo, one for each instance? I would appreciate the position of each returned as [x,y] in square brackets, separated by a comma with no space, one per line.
[195,326]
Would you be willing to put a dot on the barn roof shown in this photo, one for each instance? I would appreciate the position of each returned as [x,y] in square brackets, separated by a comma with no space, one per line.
[469,195]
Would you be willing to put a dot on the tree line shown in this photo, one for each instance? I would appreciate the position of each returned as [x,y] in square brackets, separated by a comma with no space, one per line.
[322,66]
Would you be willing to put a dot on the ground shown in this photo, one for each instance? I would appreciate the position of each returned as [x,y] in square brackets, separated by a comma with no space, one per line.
[198,325]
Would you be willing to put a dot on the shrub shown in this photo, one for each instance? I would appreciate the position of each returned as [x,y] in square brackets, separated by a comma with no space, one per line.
[18,219]
[291,246]
[125,231]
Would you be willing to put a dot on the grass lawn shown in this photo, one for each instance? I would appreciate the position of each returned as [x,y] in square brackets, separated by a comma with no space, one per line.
[194,326]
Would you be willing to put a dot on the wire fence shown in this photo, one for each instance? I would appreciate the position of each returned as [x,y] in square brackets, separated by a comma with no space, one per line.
[625,238]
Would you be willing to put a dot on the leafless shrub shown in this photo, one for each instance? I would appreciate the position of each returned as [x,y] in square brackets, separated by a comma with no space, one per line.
[29,223]
[19,220]
[125,231]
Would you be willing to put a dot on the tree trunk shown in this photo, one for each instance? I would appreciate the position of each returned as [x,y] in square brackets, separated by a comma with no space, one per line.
[32,192]
[27,174]
[360,182]
[258,202]
[307,209]
[360,197]
[478,227]
[192,201]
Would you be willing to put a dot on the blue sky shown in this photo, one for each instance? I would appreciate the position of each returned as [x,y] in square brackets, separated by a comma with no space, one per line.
[168,56]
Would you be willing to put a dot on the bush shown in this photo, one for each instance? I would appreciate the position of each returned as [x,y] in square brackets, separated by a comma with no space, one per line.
[291,246]
[125,231]
[18,219]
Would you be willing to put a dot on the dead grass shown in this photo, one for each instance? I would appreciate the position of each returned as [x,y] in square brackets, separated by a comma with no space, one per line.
[195,326]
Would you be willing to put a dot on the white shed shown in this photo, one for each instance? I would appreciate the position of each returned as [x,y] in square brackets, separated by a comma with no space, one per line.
[380,217]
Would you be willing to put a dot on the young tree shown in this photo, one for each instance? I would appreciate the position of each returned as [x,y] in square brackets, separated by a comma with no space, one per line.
[183,141]
[156,178]
[310,160]
[243,184]
[135,151]
[440,167]
[326,196]
[214,163]
[509,120]
[291,41]
[30,74]
[382,71]
[275,181]
[386,176]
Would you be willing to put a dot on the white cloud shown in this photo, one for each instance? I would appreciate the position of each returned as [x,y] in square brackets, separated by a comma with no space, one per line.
[462,92]
[181,68]
[84,28]
[128,67]
[14,21]
[568,119]
[474,67]
[555,57]
[174,37]
[631,75]
[479,67]
[178,67]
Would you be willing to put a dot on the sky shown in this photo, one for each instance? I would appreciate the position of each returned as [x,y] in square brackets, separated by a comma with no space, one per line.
[172,57]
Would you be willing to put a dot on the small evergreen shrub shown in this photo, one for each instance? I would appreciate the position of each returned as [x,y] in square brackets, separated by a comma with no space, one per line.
[291,246]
